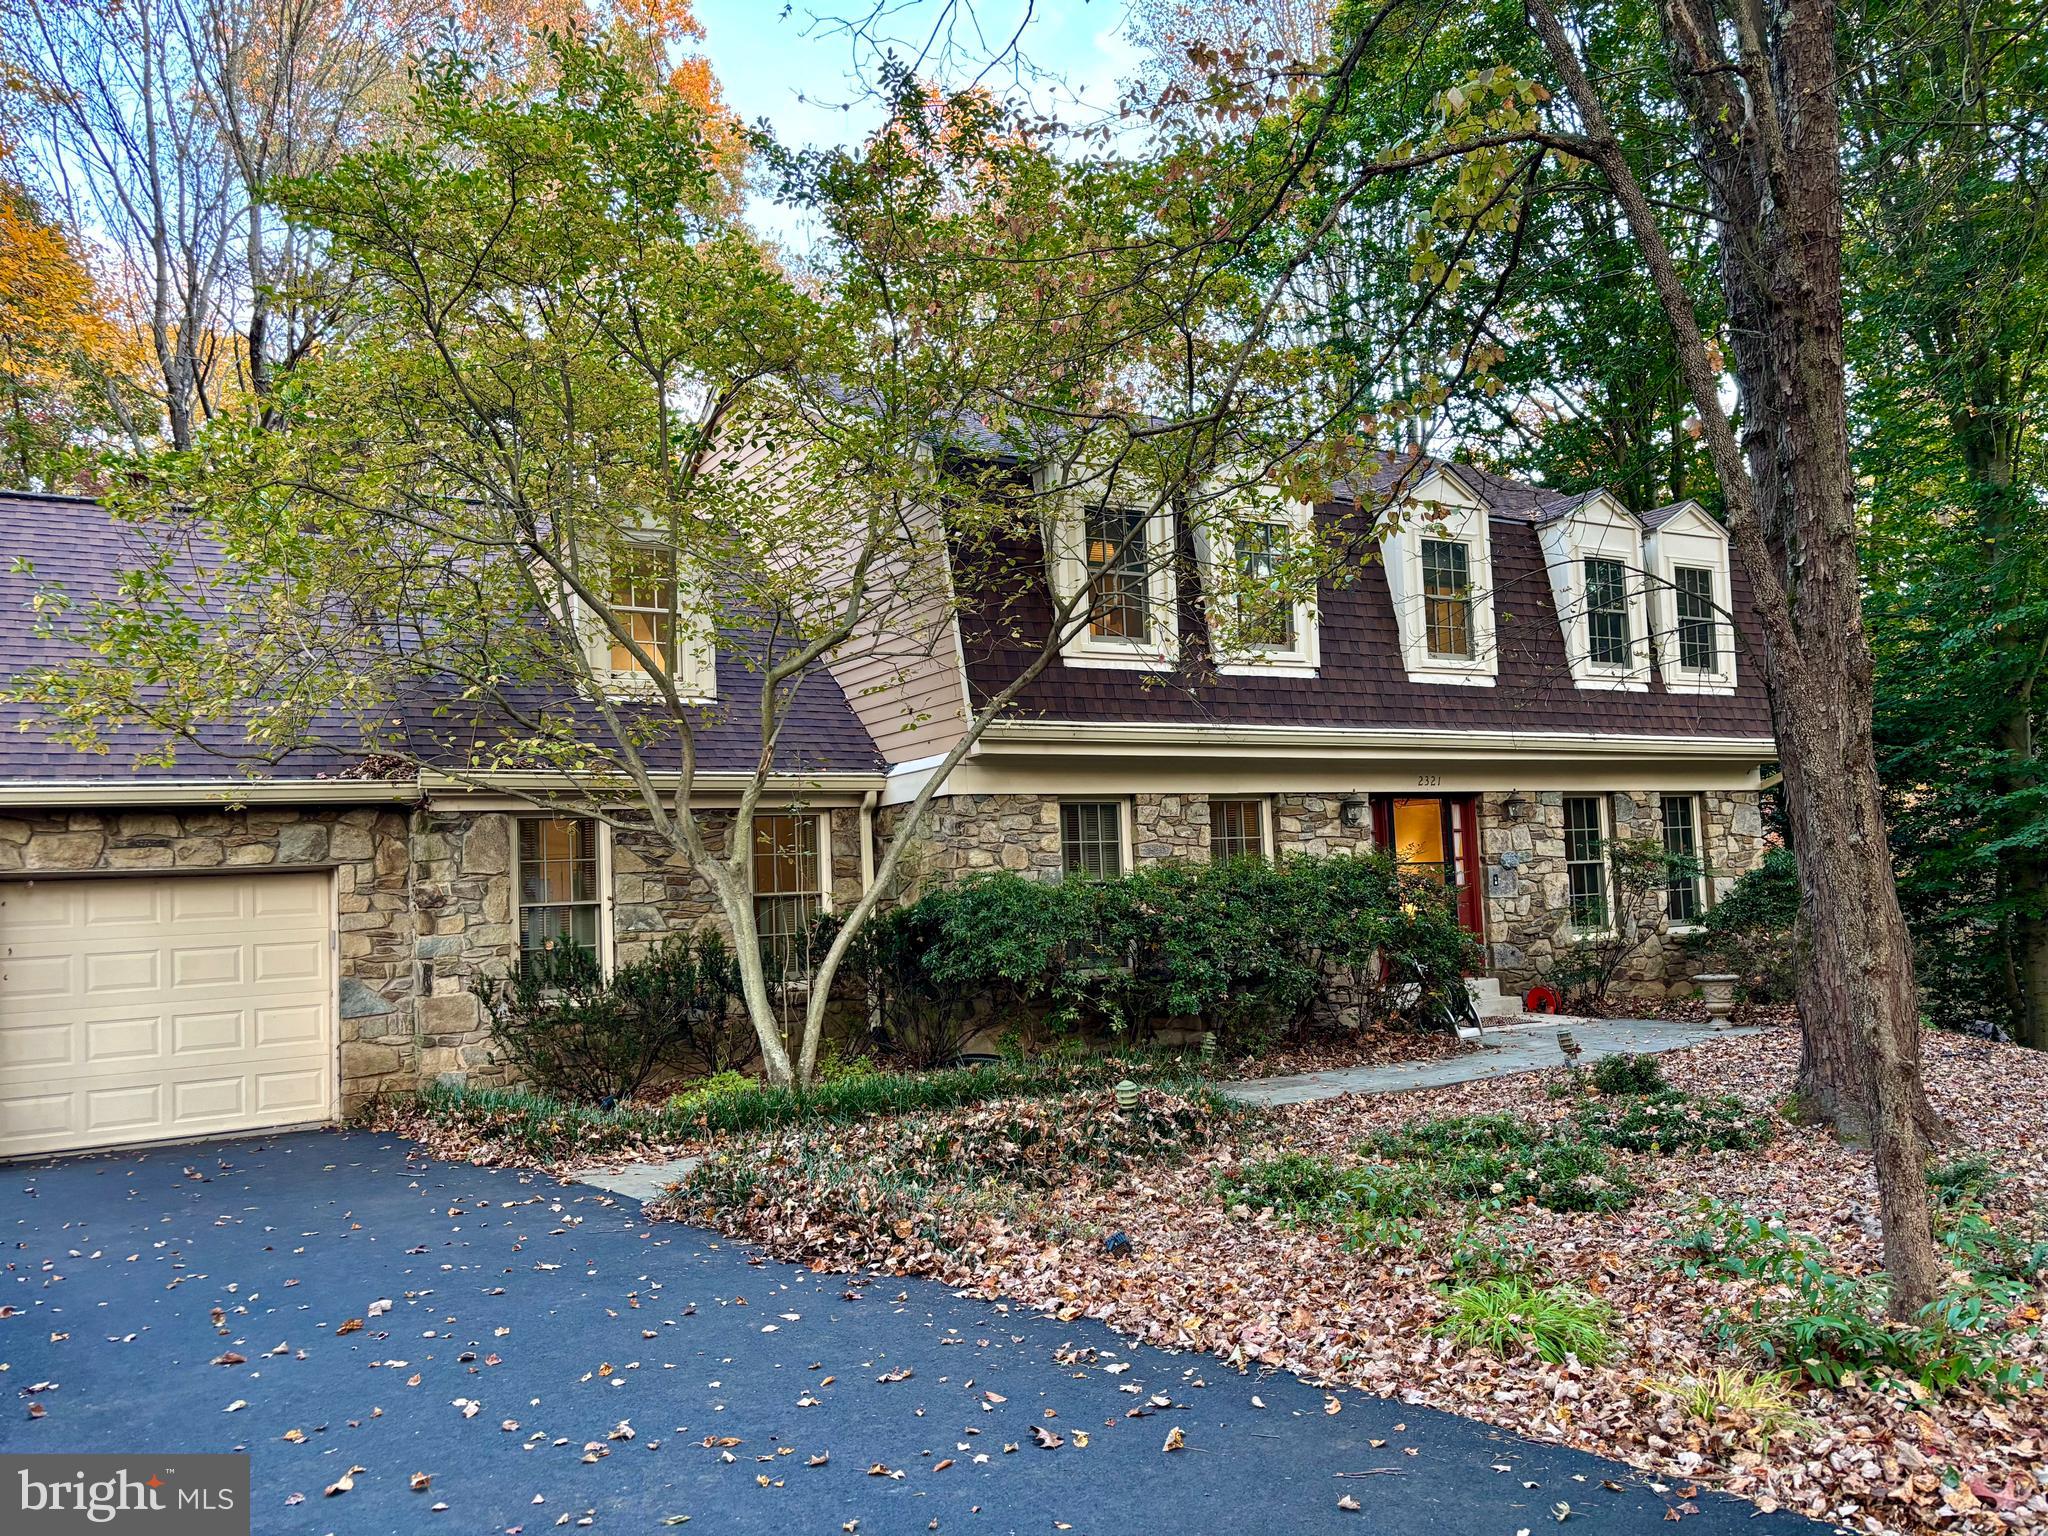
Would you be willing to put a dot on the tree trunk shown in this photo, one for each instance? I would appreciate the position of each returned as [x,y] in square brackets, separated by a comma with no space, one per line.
[1766,129]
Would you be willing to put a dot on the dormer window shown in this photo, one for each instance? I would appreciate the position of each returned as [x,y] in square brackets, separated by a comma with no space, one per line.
[1447,598]
[1260,624]
[1607,613]
[1687,570]
[644,602]
[1113,563]
[1693,586]
[1119,589]
[1261,552]
[1438,553]
[1593,552]
[655,618]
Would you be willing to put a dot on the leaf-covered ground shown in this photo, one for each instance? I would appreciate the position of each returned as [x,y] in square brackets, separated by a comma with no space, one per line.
[1197,1274]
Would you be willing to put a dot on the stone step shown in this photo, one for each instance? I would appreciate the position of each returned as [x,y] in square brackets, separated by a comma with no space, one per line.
[1488,1001]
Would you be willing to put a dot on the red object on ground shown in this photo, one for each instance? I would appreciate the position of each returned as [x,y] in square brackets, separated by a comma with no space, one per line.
[1540,999]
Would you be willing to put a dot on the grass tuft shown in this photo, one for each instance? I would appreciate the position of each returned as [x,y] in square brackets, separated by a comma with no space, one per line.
[1765,1405]
[1509,1315]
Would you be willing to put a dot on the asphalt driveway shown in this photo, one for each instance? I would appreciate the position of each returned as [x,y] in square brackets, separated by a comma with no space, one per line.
[550,1359]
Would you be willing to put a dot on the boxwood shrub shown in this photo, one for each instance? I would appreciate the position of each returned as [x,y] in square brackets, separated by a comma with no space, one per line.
[1244,946]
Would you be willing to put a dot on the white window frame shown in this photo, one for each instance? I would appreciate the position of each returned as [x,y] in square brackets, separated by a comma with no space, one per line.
[696,651]
[1264,805]
[1069,559]
[1440,507]
[1689,537]
[1300,657]
[1123,833]
[1702,881]
[1598,528]
[821,827]
[1604,814]
[602,875]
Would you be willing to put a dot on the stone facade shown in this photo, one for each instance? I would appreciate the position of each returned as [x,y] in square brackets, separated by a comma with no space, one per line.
[425,897]
[1522,852]
[366,847]
[425,908]
[1521,838]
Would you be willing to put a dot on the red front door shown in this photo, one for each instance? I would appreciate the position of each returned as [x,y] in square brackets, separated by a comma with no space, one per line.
[1436,836]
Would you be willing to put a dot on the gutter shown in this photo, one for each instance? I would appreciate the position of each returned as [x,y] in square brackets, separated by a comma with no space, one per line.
[68,794]
[1204,738]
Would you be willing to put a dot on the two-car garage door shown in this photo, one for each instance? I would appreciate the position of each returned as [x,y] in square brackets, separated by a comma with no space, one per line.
[145,1008]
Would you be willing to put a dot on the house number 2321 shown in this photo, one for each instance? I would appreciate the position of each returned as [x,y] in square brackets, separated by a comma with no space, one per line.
[1428,780]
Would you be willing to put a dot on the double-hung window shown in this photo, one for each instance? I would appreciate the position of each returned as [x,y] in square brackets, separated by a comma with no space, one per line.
[559,901]
[1585,861]
[1698,649]
[1092,838]
[1684,891]
[1447,598]
[1261,555]
[1607,637]
[1237,829]
[789,888]
[1119,574]
[643,601]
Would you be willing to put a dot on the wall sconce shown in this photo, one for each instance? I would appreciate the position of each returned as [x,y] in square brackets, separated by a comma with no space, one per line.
[1514,808]
[1354,812]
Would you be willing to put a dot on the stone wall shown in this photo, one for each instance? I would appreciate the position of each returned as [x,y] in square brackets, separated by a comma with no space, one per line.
[365,847]
[971,834]
[1527,911]
[1521,853]
[462,888]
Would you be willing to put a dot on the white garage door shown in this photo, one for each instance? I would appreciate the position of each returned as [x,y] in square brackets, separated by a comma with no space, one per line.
[145,1008]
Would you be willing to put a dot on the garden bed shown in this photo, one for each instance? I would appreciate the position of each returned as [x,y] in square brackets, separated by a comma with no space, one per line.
[533,1130]
[1408,1291]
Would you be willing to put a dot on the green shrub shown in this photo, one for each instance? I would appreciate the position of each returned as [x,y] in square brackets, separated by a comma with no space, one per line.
[1374,1235]
[1628,1074]
[1962,1180]
[1510,1315]
[1244,946]
[576,1034]
[1670,1122]
[913,1017]
[1294,1186]
[1490,1252]
[1818,1322]
[1753,930]
[720,1085]
[1572,1175]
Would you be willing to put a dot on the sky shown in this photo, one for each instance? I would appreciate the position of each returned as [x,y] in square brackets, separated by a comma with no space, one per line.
[802,73]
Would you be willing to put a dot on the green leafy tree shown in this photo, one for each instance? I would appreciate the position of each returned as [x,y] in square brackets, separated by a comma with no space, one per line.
[1948,265]
[570,376]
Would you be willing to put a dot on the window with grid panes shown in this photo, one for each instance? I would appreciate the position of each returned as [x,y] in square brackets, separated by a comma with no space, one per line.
[1585,861]
[1092,838]
[1119,577]
[643,601]
[559,901]
[1607,612]
[1698,647]
[1447,597]
[1261,550]
[788,887]
[1683,893]
[1237,829]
